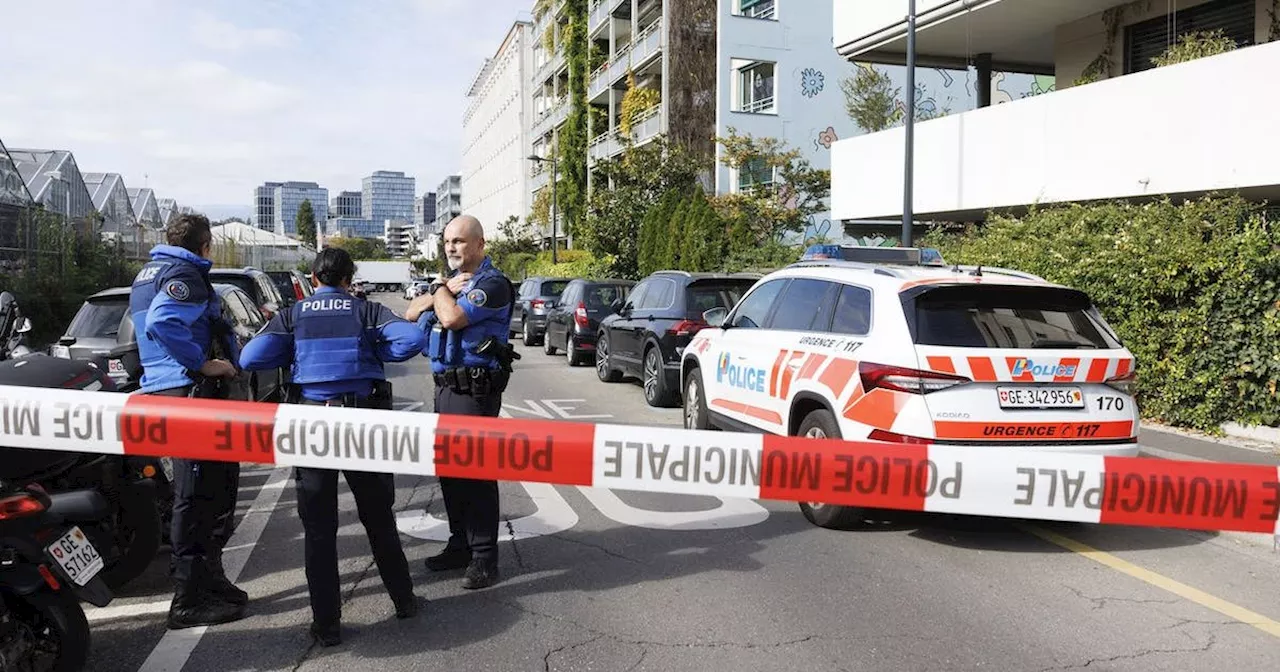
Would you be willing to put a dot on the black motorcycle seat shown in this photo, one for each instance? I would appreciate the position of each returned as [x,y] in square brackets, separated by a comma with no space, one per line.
[79,506]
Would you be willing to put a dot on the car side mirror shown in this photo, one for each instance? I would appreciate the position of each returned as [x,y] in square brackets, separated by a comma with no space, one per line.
[715,316]
[24,326]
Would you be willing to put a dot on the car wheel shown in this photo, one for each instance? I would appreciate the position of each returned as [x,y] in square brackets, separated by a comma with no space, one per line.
[604,369]
[656,392]
[821,424]
[571,352]
[695,404]
[529,338]
[547,347]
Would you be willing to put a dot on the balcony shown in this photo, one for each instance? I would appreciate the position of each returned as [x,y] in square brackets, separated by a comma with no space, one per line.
[551,118]
[633,54]
[758,106]
[646,127]
[1141,135]
[539,176]
[604,146]
[598,14]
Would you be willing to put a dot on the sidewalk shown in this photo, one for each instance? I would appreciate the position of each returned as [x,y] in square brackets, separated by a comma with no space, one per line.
[1176,444]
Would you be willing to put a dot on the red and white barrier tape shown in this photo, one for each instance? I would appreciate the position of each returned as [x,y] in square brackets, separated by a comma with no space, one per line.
[983,481]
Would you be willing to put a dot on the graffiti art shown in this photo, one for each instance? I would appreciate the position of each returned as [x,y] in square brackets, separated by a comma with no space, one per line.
[811,82]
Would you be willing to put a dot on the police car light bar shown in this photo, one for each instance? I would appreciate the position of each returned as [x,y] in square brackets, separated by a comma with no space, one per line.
[905,256]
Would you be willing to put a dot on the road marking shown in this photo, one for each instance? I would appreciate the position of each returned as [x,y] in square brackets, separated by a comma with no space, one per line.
[175,647]
[412,407]
[553,516]
[1182,590]
[731,513]
[554,407]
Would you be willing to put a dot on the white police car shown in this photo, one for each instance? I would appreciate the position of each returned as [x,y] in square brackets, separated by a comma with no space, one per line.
[902,351]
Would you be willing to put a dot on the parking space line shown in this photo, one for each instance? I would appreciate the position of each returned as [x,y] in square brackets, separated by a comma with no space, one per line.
[175,647]
[1231,610]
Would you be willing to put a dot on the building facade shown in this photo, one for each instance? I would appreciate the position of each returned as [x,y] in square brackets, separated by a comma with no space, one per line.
[146,208]
[264,205]
[111,200]
[289,196]
[347,205]
[448,201]
[354,227]
[424,215]
[495,134]
[387,195]
[54,180]
[399,237]
[1110,124]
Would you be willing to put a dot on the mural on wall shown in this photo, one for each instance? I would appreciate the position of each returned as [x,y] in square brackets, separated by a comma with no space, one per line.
[812,82]
[825,138]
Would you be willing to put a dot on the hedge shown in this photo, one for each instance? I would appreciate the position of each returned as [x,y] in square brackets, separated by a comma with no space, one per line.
[1190,288]
[572,264]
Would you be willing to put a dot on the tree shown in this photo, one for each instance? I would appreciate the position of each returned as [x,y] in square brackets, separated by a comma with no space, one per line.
[1193,45]
[369,249]
[515,238]
[572,191]
[306,223]
[874,104]
[786,188]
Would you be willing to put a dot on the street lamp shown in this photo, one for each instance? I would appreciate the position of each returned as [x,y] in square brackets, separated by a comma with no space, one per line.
[907,214]
[554,242]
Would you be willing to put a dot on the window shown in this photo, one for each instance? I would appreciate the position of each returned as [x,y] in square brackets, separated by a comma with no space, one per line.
[753,312]
[239,313]
[256,320]
[1148,39]
[602,296]
[704,295]
[661,294]
[756,85]
[756,9]
[637,294]
[853,312]
[755,174]
[99,319]
[554,287]
[1007,317]
[804,306]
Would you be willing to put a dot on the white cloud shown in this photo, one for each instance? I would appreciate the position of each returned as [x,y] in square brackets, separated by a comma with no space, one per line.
[215,33]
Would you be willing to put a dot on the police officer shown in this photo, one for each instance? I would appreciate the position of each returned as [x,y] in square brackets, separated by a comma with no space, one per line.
[467,319]
[337,344]
[178,317]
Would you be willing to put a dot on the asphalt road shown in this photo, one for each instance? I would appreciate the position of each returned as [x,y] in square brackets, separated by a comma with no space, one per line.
[599,580]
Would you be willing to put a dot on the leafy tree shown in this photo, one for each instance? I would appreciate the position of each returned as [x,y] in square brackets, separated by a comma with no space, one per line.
[369,249]
[515,238]
[874,104]
[1193,45]
[572,192]
[791,190]
[674,235]
[306,224]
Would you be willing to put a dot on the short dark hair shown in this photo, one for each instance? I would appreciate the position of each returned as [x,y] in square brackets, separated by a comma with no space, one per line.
[333,266]
[190,232]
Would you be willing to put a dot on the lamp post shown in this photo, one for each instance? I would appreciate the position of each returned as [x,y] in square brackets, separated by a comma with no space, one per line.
[554,242]
[907,177]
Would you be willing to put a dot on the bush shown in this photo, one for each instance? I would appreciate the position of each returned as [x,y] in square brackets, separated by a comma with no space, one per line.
[1190,288]
[572,264]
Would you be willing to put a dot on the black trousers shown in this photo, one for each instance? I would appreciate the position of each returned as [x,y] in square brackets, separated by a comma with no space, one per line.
[375,496]
[472,505]
[204,506]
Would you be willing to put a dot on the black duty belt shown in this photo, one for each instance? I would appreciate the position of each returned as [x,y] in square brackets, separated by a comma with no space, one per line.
[347,400]
[471,380]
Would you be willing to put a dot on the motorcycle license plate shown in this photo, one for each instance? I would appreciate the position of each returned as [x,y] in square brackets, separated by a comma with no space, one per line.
[76,555]
[61,351]
[115,367]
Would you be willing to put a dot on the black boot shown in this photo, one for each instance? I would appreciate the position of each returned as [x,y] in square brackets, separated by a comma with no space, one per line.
[406,606]
[450,558]
[327,634]
[193,606]
[221,586]
[480,574]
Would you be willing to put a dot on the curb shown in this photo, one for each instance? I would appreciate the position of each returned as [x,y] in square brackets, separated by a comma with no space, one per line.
[1252,432]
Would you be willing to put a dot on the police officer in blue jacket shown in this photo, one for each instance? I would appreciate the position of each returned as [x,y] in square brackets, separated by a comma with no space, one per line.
[178,319]
[468,318]
[337,344]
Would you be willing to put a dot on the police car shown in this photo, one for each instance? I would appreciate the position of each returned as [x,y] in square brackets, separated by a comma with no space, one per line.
[892,345]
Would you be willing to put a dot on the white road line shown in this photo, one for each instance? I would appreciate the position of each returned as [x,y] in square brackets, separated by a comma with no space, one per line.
[412,407]
[175,647]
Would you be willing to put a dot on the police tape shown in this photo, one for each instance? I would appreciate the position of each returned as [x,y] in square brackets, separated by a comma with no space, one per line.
[969,480]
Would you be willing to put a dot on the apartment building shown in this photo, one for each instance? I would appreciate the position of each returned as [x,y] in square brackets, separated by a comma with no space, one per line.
[264,204]
[1115,125]
[448,201]
[495,134]
[347,205]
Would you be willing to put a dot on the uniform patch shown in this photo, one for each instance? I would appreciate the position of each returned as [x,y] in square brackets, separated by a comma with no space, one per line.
[477,297]
[178,290]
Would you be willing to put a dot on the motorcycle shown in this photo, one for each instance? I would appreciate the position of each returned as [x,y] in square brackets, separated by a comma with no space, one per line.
[13,328]
[136,489]
[47,568]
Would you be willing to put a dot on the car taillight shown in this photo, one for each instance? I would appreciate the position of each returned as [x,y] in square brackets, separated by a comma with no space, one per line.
[1125,384]
[536,303]
[894,437]
[18,506]
[297,290]
[580,315]
[902,379]
[686,327]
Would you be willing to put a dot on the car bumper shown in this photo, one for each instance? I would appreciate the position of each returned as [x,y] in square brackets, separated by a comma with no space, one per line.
[1121,449]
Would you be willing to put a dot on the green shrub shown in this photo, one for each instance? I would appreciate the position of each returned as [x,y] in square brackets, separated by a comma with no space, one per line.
[572,264]
[1190,288]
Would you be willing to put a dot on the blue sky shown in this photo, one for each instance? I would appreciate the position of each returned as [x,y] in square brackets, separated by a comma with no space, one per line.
[207,100]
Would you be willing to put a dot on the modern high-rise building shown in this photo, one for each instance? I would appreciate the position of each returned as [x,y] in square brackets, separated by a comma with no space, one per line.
[264,205]
[495,133]
[448,201]
[387,195]
[289,196]
[347,205]
[424,215]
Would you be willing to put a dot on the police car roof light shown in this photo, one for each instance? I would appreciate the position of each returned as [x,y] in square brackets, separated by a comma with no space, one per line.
[904,256]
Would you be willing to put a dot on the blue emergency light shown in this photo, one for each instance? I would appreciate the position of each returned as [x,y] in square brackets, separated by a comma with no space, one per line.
[909,256]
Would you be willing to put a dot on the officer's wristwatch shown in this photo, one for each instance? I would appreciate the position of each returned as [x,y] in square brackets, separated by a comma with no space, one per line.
[431,289]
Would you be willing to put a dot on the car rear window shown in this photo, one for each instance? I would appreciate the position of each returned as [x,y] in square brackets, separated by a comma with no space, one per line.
[99,319]
[553,287]
[1008,317]
[244,282]
[603,296]
[704,295]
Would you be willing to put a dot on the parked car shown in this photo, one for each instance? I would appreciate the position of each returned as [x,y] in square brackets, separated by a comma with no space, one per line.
[573,324]
[533,299]
[648,332]
[415,289]
[102,332]
[293,285]
[258,285]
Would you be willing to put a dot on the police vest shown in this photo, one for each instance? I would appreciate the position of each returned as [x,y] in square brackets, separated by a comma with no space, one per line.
[333,338]
[457,348]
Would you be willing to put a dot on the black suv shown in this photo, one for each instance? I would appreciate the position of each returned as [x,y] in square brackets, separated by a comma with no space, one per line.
[258,285]
[646,336]
[573,324]
[534,298]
